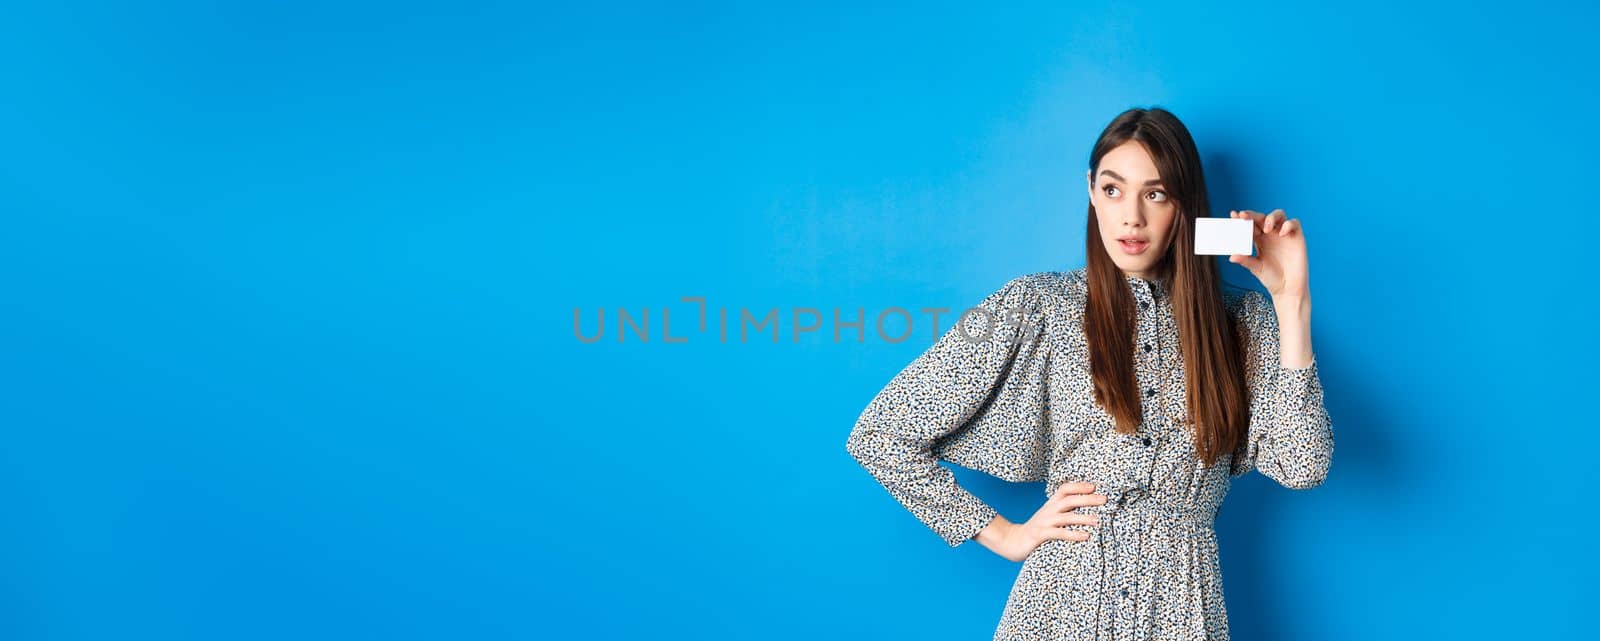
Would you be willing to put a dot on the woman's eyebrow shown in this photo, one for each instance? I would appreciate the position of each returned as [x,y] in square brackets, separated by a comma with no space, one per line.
[1108,172]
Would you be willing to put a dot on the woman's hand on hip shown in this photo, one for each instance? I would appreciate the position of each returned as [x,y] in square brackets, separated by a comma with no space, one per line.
[1015,541]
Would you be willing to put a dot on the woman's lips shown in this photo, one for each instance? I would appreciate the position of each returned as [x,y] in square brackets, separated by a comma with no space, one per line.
[1133,247]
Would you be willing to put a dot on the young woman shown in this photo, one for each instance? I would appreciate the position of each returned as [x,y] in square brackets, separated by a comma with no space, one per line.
[1136,387]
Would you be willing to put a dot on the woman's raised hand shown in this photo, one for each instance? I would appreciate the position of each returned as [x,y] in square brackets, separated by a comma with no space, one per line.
[1019,540]
[1280,263]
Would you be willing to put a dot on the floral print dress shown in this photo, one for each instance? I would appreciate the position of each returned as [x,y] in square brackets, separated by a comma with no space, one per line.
[1007,391]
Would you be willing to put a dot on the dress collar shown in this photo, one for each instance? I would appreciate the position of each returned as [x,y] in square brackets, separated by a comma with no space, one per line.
[1151,287]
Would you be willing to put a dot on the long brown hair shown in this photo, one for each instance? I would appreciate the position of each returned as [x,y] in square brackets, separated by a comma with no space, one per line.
[1212,358]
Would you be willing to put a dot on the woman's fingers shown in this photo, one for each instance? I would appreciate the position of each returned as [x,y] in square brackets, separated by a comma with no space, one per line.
[1075,487]
[1076,518]
[1057,515]
[1066,534]
[1075,501]
[1275,220]
[1257,219]
[1289,227]
[1077,490]
[1276,223]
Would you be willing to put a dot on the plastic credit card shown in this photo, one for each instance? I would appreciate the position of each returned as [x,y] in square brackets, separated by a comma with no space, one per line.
[1223,236]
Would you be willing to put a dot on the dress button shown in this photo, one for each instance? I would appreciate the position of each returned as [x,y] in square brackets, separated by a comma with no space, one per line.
[1146,347]
[1144,304]
[1150,391]
[1123,592]
[1147,441]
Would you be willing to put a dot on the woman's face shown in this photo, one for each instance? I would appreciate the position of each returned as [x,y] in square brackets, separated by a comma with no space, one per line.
[1130,202]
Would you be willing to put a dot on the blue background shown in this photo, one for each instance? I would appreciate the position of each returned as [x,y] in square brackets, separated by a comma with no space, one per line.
[289,293]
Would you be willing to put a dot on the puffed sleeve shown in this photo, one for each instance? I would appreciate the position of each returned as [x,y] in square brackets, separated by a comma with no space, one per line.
[1290,435]
[976,398]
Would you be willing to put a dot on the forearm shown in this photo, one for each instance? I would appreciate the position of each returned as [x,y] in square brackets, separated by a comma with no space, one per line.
[913,476]
[1294,331]
[994,533]
[1297,451]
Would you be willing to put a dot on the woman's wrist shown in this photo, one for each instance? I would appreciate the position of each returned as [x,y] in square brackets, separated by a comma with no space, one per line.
[1292,306]
[994,534]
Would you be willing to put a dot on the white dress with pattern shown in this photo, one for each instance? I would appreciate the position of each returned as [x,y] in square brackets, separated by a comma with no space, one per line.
[1008,392]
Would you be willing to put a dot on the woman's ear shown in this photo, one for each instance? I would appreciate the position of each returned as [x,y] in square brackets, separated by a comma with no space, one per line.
[1088,176]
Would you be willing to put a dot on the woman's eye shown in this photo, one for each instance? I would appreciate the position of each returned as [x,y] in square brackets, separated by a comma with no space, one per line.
[1110,188]
[1163,195]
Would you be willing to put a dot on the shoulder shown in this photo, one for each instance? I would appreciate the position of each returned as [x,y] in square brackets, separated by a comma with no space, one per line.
[1056,295]
[1047,293]
[1050,287]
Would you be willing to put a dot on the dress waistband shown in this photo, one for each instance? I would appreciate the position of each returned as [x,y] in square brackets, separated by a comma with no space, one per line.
[1121,502]
[1121,588]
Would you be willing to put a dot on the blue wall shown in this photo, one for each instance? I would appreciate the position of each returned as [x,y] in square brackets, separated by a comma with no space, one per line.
[289,292]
